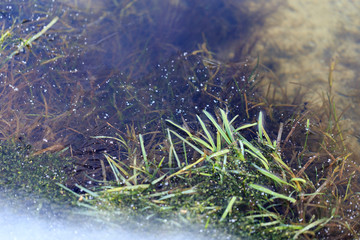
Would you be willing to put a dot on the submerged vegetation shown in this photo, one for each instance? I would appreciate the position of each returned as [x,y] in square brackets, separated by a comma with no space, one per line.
[31,174]
[205,142]
[217,177]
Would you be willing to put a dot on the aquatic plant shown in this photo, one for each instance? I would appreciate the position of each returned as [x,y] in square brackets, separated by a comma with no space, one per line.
[218,171]
[230,181]
[293,183]
[23,173]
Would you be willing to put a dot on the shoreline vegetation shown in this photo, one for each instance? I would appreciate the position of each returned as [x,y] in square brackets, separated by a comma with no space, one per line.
[283,173]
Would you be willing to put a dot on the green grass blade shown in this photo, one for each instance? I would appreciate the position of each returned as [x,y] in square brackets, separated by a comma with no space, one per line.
[242,158]
[218,127]
[255,152]
[68,189]
[128,188]
[227,125]
[180,127]
[268,191]
[187,142]
[115,167]
[144,152]
[262,160]
[260,126]
[311,225]
[91,193]
[218,140]
[203,143]
[228,208]
[208,135]
[176,157]
[271,176]
[158,179]
[298,180]
[245,126]
[264,215]
[219,153]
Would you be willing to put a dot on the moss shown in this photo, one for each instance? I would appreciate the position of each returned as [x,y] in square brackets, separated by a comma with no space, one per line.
[21,172]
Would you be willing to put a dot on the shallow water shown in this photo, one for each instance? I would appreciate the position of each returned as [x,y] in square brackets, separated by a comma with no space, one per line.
[108,63]
[298,45]
[111,56]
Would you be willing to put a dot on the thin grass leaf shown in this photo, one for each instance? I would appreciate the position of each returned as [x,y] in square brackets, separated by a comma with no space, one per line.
[262,132]
[187,142]
[209,137]
[309,226]
[203,143]
[245,126]
[160,163]
[180,127]
[207,223]
[260,126]
[269,142]
[262,160]
[279,161]
[128,188]
[189,191]
[266,224]
[217,126]
[218,140]
[298,180]
[255,152]
[188,167]
[270,192]
[115,172]
[185,153]
[287,227]
[271,176]
[144,152]
[228,208]
[158,179]
[170,149]
[115,167]
[227,125]
[29,41]
[68,189]
[242,156]
[81,204]
[347,188]
[264,215]
[176,157]
[134,170]
[219,153]
[167,196]
[91,193]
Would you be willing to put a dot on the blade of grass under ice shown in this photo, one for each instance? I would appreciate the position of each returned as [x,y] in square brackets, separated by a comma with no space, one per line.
[270,192]
[218,127]
[228,208]
[208,135]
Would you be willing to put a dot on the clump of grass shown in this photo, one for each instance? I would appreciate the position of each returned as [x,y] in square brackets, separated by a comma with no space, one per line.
[230,181]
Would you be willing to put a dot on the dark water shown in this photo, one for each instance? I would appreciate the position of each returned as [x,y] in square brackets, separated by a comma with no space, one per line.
[118,63]
[108,65]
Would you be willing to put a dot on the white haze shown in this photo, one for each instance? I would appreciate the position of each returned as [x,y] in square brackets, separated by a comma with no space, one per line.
[19,226]
[19,220]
